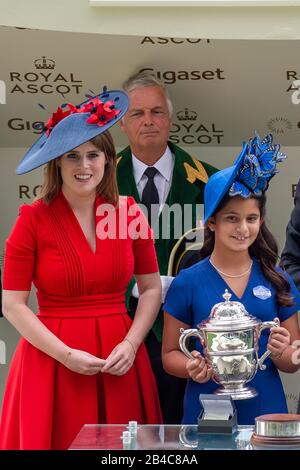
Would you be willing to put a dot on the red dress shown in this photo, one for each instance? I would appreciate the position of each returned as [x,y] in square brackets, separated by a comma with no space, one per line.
[81,297]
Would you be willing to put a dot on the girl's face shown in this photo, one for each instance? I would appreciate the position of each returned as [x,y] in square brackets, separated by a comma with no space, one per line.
[236,226]
[82,169]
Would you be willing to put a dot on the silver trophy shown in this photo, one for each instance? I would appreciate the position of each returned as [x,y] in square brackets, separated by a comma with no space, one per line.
[230,342]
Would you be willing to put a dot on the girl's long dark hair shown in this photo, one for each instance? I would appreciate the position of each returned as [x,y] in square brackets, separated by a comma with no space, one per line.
[265,249]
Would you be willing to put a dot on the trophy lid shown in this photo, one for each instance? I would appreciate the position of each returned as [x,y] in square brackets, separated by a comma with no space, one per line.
[229,314]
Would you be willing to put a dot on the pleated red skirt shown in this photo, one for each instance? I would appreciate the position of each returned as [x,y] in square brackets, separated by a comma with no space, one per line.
[45,404]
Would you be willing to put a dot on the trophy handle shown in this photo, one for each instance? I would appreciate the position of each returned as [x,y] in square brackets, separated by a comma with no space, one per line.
[266,324]
[185,334]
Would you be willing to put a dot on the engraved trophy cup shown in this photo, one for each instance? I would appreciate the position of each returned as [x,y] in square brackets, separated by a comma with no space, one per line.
[229,337]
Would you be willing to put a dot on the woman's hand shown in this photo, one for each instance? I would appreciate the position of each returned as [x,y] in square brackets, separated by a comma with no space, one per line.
[279,340]
[120,359]
[83,362]
[198,369]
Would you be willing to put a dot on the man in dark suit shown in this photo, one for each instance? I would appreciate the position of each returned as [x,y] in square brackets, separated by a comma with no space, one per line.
[290,257]
[154,167]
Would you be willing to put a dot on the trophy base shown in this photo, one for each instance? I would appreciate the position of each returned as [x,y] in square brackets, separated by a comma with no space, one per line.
[238,393]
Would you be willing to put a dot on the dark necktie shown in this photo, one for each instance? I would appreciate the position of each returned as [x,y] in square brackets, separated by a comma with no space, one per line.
[150,194]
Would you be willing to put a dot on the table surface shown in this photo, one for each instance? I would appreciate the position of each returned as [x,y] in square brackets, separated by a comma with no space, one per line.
[155,437]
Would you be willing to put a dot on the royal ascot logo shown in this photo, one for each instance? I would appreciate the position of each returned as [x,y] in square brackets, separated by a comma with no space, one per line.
[169,77]
[294,87]
[28,192]
[186,115]
[2,92]
[20,124]
[294,76]
[279,125]
[187,130]
[44,64]
[44,80]
[161,40]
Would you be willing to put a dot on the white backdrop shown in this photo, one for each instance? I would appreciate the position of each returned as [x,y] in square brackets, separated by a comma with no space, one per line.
[222,91]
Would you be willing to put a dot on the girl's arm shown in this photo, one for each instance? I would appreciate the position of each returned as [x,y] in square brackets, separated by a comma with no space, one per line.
[283,343]
[174,360]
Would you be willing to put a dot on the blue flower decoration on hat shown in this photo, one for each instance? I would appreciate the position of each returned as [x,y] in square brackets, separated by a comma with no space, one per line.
[249,176]
[258,168]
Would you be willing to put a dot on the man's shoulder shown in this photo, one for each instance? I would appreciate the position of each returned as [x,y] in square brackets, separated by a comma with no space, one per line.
[179,152]
[124,153]
[124,162]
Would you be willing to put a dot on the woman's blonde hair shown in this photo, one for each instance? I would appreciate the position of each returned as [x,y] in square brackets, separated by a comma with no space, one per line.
[107,188]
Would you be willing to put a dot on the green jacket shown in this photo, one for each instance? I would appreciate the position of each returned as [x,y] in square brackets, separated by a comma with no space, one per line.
[188,181]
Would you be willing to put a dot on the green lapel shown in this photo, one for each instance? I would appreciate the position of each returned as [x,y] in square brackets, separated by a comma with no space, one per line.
[181,191]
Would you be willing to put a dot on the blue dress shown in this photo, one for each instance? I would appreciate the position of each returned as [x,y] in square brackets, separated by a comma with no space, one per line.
[190,298]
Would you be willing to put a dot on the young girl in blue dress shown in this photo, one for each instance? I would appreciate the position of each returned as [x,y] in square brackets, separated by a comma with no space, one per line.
[240,255]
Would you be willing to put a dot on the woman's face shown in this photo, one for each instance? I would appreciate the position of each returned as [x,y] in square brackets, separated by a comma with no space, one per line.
[82,169]
[236,226]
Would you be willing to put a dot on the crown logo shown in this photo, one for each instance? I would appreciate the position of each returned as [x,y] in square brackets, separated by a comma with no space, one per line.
[186,115]
[44,63]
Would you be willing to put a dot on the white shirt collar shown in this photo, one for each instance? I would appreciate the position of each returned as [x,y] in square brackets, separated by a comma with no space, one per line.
[164,165]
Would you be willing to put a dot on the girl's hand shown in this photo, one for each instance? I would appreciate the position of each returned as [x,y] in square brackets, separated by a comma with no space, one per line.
[279,340]
[83,362]
[120,359]
[198,369]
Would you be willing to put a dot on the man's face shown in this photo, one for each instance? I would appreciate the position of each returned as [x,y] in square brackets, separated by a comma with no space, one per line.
[147,122]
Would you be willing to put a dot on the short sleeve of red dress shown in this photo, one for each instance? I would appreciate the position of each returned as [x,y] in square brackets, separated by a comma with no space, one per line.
[20,249]
[145,261]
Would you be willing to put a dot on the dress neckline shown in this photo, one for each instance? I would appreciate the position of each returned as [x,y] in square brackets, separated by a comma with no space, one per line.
[79,229]
[226,286]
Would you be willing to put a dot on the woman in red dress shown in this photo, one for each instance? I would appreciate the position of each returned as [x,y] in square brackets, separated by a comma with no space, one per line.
[81,359]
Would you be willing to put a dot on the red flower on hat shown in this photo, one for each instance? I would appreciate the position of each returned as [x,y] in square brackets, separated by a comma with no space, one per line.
[100,113]
[56,117]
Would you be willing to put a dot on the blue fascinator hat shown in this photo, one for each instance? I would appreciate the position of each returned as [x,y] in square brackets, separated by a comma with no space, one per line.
[71,126]
[249,175]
